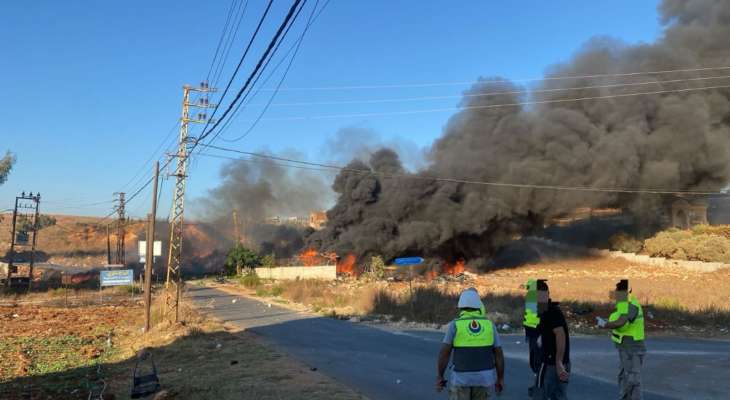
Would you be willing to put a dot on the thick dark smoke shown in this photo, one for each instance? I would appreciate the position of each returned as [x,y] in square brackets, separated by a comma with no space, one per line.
[260,190]
[674,141]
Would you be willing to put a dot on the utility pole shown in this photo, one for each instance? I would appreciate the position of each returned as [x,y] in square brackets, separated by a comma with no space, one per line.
[178,196]
[150,253]
[20,238]
[108,246]
[120,227]
[236,227]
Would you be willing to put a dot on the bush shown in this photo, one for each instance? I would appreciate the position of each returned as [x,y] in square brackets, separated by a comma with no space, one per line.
[694,245]
[376,269]
[250,280]
[623,242]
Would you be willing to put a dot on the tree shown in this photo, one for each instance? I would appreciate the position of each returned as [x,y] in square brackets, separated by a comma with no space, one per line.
[240,257]
[6,164]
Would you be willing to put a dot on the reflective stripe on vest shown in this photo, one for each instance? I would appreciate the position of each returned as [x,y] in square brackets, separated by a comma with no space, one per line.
[473,343]
[634,330]
[531,319]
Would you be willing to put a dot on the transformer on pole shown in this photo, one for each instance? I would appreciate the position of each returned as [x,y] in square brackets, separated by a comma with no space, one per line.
[173,282]
[25,214]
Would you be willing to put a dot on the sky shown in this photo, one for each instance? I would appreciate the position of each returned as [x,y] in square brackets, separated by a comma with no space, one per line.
[92,89]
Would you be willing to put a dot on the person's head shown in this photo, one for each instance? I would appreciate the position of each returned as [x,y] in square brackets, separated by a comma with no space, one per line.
[469,300]
[543,295]
[622,290]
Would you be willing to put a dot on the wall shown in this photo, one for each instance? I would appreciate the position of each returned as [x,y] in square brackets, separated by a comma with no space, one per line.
[325,272]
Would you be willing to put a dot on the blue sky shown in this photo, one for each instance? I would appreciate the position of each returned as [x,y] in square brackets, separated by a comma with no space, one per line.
[90,89]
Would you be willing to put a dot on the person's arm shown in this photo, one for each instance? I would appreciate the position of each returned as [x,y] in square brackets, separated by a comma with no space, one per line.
[443,362]
[560,353]
[621,321]
[499,364]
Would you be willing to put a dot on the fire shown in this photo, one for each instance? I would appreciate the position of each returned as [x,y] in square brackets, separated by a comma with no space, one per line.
[454,269]
[346,265]
[431,274]
[309,257]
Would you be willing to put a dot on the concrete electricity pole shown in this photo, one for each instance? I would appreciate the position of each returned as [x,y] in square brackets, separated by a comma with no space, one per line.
[120,227]
[150,253]
[178,196]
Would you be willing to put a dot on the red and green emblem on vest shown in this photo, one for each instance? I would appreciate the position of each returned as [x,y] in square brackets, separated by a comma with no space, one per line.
[475,327]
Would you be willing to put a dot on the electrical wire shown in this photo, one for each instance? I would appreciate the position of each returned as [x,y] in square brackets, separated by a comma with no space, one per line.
[471,82]
[489,106]
[224,34]
[283,77]
[255,71]
[490,94]
[466,181]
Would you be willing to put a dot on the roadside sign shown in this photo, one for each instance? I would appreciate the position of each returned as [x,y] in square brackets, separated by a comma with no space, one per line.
[119,277]
[156,251]
[408,261]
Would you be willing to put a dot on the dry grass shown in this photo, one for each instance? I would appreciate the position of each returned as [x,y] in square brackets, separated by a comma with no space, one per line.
[680,301]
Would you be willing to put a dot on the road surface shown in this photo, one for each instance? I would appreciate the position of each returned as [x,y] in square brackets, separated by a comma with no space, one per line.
[390,364]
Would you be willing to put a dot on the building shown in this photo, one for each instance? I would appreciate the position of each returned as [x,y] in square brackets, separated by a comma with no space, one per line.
[317,220]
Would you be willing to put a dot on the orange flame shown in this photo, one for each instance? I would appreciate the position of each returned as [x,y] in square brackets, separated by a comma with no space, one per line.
[454,269]
[431,274]
[346,265]
[309,257]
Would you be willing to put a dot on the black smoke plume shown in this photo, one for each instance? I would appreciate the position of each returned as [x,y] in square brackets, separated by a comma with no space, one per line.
[674,141]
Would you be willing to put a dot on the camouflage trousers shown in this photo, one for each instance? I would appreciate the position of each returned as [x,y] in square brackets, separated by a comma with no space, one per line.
[470,392]
[629,377]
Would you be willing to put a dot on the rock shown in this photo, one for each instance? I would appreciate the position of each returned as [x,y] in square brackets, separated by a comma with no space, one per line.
[234,362]
[313,368]
[16,315]
[354,319]
[505,327]
[398,381]
[518,342]
[234,301]
[218,346]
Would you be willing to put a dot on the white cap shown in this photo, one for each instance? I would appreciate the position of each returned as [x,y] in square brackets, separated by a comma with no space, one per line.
[470,299]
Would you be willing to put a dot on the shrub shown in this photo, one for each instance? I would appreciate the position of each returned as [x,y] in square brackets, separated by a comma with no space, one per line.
[623,242]
[696,245]
[250,280]
[376,269]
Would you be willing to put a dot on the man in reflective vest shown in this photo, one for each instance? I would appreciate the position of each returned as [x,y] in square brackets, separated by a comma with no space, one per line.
[532,334]
[478,361]
[627,332]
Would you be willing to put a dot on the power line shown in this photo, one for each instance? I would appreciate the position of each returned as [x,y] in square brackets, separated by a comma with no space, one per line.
[467,181]
[224,33]
[281,81]
[488,106]
[170,135]
[255,71]
[490,94]
[235,72]
[471,82]
[229,43]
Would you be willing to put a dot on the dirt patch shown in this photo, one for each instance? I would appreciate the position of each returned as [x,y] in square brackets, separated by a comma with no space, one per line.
[51,352]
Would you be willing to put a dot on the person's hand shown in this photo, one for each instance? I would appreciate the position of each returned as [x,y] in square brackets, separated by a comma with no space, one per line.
[499,386]
[440,383]
[600,322]
[563,373]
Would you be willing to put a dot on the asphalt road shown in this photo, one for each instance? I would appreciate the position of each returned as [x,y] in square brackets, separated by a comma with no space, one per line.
[392,364]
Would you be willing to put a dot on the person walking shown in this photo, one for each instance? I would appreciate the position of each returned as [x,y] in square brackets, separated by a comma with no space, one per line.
[478,360]
[627,332]
[554,372]
[532,335]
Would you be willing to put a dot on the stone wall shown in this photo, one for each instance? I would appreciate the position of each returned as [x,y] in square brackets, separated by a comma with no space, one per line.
[324,272]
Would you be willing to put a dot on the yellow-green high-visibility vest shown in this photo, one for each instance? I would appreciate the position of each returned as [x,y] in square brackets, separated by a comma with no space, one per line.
[531,320]
[633,329]
[473,342]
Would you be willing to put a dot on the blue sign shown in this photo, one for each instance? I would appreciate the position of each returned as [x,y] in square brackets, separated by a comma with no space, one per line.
[408,260]
[117,277]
